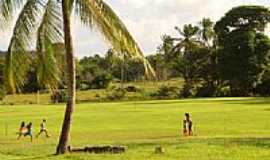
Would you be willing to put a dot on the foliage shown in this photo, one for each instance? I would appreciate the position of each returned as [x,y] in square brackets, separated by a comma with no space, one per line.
[160,66]
[101,81]
[228,59]
[144,90]
[243,48]
[166,92]
[117,94]
[132,89]
[44,19]
[2,66]
[31,83]
[59,96]
[2,93]
[263,88]
[195,59]
[223,91]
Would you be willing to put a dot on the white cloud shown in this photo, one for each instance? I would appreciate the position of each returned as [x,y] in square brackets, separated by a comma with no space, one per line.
[149,19]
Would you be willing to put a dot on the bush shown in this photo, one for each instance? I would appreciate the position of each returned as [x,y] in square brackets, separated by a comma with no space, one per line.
[187,91]
[263,89]
[59,97]
[117,94]
[2,93]
[166,92]
[223,91]
[205,91]
[132,89]
[101,81]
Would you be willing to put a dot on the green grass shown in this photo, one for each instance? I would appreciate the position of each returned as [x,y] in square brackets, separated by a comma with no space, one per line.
[226,129]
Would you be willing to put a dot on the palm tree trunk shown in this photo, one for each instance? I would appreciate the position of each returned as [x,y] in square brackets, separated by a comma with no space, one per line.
[64,137]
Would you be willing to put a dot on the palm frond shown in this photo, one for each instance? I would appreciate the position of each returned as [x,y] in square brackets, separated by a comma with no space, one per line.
[50,31]
[9,7]
[18,58]
[99,14]
[84,13]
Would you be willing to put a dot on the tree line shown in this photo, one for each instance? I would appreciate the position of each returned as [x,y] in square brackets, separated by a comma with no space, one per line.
[226,58]
[229,57]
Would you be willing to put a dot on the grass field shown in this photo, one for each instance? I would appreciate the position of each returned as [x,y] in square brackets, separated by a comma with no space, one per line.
[226,129]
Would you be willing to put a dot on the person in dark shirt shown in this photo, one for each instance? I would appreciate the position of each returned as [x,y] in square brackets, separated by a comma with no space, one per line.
[187,125]
[29,131]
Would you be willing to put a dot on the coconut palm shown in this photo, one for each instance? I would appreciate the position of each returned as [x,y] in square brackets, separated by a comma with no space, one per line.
[207,31]
[188,38]
[48,22]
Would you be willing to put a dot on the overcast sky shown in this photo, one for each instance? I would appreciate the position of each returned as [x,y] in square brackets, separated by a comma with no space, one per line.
[147,20]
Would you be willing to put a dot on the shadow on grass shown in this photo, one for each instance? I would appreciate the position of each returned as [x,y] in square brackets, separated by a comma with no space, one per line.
[226,142]
[248,142]
[38,157]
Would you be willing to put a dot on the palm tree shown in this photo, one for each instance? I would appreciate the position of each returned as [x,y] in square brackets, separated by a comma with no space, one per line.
[209,39]
[207,31]
[49,22]
[188,38]
[185,47]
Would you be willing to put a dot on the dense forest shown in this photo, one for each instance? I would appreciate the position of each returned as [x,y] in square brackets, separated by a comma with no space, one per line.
[230,57]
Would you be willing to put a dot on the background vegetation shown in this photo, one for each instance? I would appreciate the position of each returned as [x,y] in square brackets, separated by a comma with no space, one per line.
[210,59]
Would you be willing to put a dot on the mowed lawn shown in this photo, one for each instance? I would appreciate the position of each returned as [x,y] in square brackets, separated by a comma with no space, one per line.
[225,128]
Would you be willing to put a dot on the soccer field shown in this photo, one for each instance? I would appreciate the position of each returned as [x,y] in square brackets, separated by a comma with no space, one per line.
[225,129]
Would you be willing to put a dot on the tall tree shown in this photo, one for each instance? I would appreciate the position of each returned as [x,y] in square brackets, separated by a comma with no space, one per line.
[207,32]
[49,21]
[208,71]
[243,48]
[187,48]
[165,54]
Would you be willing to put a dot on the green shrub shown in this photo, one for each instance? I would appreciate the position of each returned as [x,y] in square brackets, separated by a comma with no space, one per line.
[205,91]
[165,92]
[223,91]
[2,93]
[59,97]
[101,81]
[117,94]
[132,89]
[263,88]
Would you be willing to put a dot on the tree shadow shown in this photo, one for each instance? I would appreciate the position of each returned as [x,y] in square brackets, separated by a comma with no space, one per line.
[226,142]
[251,142]
[37,157]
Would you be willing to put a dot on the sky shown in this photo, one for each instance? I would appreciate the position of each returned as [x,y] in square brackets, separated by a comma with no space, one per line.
[148,20]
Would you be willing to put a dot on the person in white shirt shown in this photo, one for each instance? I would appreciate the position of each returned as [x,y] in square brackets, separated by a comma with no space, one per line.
[43,129]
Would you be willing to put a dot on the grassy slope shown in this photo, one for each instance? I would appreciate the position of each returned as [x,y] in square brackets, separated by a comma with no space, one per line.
[90,95]
[226,129]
